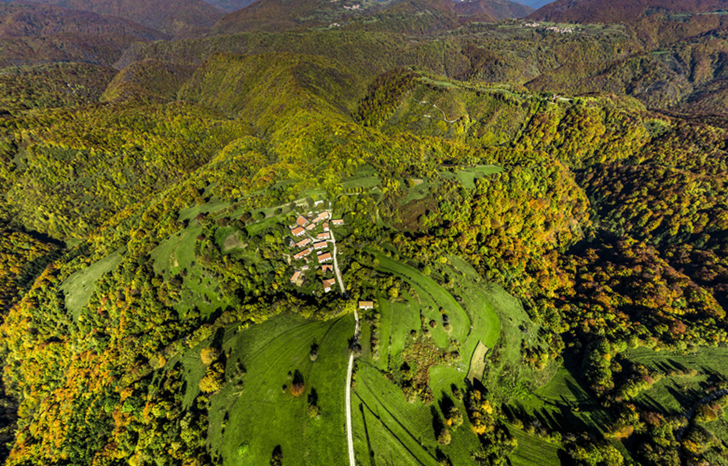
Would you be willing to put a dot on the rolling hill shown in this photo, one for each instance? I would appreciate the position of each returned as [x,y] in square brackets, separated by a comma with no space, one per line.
[496,9]
[230,5]
[171,17]
[34,20]
[619,11]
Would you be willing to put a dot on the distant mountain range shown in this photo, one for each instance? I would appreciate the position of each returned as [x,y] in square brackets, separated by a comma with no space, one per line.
[614,11]
[412,17]
[169,16]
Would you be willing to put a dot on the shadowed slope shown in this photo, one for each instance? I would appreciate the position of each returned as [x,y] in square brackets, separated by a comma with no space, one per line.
[24,20]
[613,11]
[170,16]
[151,79]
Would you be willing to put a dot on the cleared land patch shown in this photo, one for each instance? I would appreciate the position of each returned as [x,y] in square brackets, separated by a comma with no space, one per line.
[262,414]
[79,287]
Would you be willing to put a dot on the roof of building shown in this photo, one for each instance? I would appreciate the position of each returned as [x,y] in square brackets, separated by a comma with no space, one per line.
[311,227]
[323,236]
[365,304]
[329,282]
[324,257]
[295,276]
[303,253]
[327,268]
[301,220]
[338,222]
[303,242]
[319,245]
[298,231]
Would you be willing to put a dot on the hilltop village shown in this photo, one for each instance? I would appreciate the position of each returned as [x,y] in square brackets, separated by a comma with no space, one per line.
[312,233]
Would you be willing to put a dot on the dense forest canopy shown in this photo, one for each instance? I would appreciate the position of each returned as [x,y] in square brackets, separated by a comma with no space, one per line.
[524,218]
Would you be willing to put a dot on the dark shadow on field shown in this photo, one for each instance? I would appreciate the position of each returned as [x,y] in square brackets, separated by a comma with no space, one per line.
[366,433]
[437,423]
[446,404]
[313,397]
[565,458]
[441,457]
[686,398]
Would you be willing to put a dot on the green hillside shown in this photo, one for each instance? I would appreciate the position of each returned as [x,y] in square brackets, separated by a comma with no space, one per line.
[514,234]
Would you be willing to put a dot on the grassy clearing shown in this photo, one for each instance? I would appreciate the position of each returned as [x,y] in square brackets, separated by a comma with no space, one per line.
[364,183]
[262,414]
[79,287]
[674,395]
[533,450]
[419,191]
[391,431]
[214,205]
[467,177]
[388,429]
[177,253]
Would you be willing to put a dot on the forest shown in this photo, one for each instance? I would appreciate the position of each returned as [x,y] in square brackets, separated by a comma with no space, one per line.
[559,198]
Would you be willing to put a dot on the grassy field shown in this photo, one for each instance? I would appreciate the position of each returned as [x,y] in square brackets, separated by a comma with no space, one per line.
[262,414]
[674,395]
[388,429]
[533,450]
[467,177]
[79,287]
[391,431]
[177,253]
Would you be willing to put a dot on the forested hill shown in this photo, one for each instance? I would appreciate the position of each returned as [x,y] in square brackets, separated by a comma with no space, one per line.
[621,11]
[171,17]
[525,221]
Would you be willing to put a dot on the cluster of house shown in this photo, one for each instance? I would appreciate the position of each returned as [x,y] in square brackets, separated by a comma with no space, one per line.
[310,243]
[556,29]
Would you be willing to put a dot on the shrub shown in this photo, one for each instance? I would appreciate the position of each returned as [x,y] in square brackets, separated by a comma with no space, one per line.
[209,355]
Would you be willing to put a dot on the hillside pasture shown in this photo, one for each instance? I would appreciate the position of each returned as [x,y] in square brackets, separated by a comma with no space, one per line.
[79,287]
[262,414]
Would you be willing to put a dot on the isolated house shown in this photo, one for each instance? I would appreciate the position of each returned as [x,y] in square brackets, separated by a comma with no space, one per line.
[366,304]
[311,227]
[303,242]
[319,245]
[338,222]
[326,226]
[295,276]
[327,268]
[323,236]
[298,231]
[301,221]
